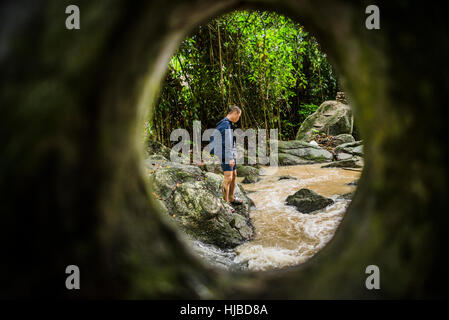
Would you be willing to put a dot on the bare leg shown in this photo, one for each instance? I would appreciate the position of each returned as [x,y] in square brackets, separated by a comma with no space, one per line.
[227,184]
[232,185]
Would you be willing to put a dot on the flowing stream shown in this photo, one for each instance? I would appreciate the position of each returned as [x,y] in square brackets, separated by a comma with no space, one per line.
[284,236]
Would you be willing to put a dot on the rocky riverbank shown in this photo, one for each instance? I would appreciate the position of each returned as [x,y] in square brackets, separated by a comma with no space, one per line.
[192,196]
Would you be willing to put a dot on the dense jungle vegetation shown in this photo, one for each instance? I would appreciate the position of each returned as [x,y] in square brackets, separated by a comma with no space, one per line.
[263,62]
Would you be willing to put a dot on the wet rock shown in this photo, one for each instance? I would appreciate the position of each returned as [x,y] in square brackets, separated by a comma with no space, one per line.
[354,148]
[294,144]
[220,258]
[343,156]
[347,196]
[211,167]
[358,151]
[306,201]
[354,162]
[300,152]
[287,178]
[194,199]
[342,138]
[286,159]
[251,174]
[332,117]
[348,155]
[245,171]
[251,179]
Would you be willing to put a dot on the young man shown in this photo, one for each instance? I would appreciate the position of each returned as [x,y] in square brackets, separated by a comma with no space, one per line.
[229,154]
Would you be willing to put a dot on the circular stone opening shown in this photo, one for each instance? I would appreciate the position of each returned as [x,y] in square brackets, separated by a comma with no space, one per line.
[278,75]
[73,192]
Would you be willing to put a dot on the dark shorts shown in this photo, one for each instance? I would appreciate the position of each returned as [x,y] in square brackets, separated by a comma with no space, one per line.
[227,167]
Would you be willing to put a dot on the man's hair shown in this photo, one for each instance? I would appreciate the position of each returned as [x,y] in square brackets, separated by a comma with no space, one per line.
[233,108]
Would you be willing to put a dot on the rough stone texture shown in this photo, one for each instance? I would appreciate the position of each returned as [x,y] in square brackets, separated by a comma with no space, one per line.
[251,179]
[342,138]
[287,178]
[72,189]
[212,167]
[306,201]
[353,148]
[194,200]
[332,117]
[353,162]
[300,152]
[245,171]
[343,156]
[155,158]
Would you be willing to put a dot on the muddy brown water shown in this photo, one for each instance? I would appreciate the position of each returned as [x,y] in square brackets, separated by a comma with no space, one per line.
[284,236]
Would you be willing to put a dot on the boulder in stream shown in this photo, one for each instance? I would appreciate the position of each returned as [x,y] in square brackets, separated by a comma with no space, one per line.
[306,201]
[332,117]
[354,148]
[251,174]
[342,138]
[300,152]
[194,199]
[353,162]
[287,178]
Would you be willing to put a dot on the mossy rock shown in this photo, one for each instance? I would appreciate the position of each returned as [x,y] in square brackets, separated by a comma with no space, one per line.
[342,138]
[245,171]
[354,162]
[332,117]
[194,200]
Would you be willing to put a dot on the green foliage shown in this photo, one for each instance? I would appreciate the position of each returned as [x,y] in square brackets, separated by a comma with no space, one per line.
[264,62]
[306,110]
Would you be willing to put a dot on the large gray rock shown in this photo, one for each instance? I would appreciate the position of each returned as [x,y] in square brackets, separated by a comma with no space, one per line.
[251,179]
[306,201]
[354,162]
[353,148]
[244,171]
[342,138]
[287,178]
[251,174]
[211,167]
[343,156]
[332,118]
[194,199]
[300,152]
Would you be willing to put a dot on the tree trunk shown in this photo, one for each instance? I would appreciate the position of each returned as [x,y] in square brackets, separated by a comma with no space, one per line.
[221,68]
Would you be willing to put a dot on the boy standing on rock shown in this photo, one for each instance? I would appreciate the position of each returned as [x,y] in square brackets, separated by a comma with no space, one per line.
[229,154]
